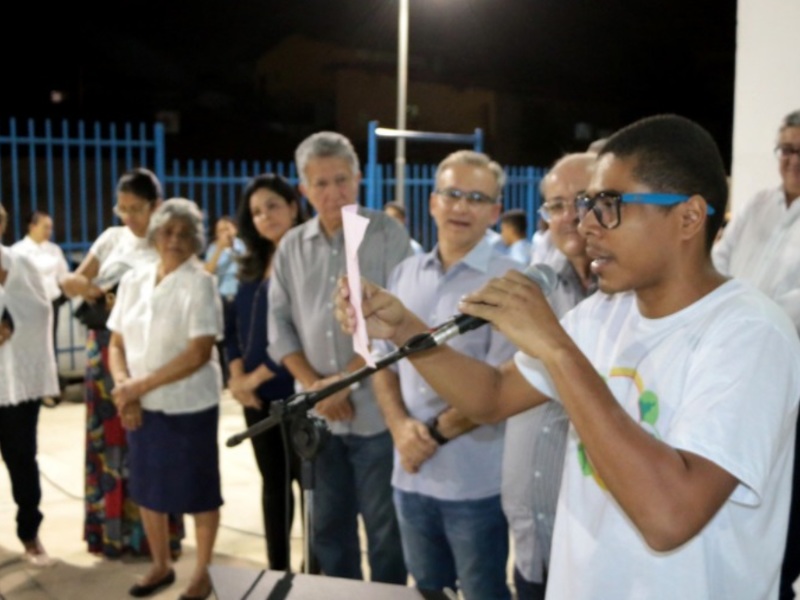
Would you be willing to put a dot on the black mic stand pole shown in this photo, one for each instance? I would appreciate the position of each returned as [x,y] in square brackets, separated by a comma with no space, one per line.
[309,433]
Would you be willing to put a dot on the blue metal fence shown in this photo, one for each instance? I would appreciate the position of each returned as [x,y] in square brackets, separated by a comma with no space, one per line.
[70,170]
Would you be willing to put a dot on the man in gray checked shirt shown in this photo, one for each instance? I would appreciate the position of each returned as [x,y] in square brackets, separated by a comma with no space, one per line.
[353,469]
[535,440]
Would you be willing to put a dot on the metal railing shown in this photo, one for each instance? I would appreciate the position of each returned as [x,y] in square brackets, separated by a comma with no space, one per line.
[70,170]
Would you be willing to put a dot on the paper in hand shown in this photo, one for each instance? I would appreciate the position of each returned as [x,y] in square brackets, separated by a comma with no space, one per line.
[355,226]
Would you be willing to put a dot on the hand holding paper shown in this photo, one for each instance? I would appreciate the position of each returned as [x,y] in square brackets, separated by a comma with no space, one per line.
[355,226]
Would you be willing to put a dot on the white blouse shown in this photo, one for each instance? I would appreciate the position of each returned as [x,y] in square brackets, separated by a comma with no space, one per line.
[156,323]
[49,259]
[118,250]
[27,361]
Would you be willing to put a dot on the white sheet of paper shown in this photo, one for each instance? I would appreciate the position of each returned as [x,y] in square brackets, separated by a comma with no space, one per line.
[355,226]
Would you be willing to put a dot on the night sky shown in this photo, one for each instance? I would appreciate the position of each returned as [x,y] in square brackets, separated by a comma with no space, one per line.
[123,60]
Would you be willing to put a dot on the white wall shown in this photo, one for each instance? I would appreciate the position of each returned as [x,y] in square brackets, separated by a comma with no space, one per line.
[767,88]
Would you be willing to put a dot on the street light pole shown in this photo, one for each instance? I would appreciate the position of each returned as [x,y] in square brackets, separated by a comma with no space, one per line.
[402,85]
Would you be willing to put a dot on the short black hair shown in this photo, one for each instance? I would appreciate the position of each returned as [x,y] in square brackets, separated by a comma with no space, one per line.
[676,155]
[516,218]
[35,216]
[142,183]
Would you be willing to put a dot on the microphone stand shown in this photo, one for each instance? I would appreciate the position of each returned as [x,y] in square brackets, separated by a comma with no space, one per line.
[308,433]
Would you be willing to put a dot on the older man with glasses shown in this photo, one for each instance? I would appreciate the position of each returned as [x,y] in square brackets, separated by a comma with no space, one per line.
[535,441]
[760,245]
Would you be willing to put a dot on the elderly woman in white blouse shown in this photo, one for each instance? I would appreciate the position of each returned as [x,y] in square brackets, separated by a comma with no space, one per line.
[27,373]
[164,324]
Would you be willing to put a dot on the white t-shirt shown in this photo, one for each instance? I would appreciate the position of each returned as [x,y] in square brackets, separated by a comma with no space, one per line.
[49,259]
[27,361]
[762,245]
[156,323]
[118,250]
[721,379]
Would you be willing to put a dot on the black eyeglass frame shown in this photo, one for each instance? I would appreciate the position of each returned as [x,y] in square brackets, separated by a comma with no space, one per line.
[786,150]
[585,203]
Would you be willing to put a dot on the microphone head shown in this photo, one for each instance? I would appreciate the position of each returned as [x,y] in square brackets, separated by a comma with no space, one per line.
[542,275]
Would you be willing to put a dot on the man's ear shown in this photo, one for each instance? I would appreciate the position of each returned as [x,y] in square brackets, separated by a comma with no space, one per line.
[694,213]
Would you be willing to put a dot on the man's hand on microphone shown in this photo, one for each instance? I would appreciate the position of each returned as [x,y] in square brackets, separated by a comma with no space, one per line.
[387,318]
[517,307]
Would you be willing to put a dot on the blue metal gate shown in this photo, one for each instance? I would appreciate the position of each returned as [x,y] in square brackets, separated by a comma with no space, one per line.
[70,170]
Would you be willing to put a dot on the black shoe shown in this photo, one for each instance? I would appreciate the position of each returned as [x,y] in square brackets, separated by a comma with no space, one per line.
[140,591]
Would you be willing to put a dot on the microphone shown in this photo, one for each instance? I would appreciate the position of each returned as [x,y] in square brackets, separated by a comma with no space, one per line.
[542,275]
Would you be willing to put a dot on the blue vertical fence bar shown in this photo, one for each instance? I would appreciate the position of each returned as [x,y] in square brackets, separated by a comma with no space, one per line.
[99,197]
[67,184]
[15,201]
[114,173]
[82,179]
[51,199]
[159,152]
[34,198]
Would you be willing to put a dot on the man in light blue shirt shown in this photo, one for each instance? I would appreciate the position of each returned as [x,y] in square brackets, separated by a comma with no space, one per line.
[447,469]
[514,232]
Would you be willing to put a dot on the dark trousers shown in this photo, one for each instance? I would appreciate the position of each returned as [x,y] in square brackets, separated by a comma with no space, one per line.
[528,590]
[790,570]
[57,303]
[277,501]
[227,307]
[18,447]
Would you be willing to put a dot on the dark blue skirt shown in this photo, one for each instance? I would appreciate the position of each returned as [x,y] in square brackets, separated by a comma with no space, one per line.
[174,462]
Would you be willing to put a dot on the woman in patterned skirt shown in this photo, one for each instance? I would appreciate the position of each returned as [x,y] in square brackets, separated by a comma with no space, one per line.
[112,525]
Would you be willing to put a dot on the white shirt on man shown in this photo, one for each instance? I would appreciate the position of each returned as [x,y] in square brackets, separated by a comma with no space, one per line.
[27,361]
[721,379]
[156,323]
[49,260]
[762,245]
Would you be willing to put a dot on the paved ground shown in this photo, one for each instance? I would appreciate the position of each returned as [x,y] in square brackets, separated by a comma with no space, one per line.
[77,575]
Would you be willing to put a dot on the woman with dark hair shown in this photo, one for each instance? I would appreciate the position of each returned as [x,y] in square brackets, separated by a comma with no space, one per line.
[113,526]
[269,207]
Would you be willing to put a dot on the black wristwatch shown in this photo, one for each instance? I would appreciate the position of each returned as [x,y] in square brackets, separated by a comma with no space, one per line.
[433,429]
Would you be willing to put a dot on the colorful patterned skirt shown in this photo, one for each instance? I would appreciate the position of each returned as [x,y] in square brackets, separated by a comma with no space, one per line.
[113,526]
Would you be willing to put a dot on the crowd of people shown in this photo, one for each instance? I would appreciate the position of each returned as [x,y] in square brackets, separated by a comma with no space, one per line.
[630,426]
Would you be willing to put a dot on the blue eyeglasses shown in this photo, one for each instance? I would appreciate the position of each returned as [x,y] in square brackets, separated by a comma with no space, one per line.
[606,205]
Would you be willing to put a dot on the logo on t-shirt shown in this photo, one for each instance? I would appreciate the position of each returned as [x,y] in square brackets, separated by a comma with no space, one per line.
[648,410]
